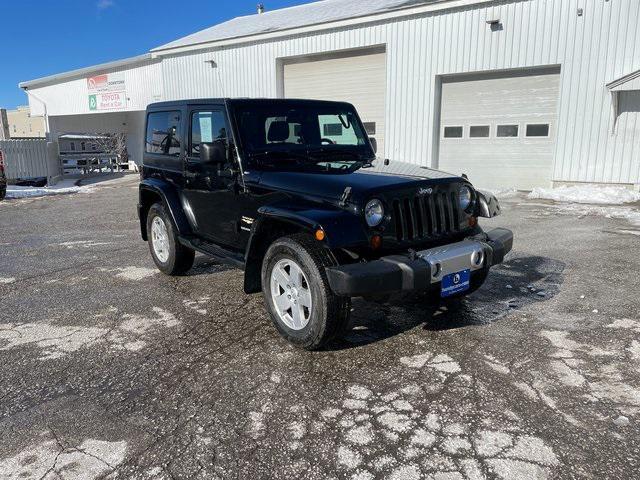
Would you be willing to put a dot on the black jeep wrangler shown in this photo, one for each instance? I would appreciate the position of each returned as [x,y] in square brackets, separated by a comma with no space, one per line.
[291,192]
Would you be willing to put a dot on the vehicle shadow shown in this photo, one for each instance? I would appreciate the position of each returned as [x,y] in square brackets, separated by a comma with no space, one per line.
[512,285]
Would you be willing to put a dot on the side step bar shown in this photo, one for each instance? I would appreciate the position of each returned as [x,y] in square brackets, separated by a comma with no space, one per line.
[223,255]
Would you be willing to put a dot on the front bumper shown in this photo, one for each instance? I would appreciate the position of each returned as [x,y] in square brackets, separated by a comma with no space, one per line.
[421,270]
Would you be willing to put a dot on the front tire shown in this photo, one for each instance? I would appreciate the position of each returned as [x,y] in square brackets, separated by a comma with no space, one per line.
[303,308]
[169,255]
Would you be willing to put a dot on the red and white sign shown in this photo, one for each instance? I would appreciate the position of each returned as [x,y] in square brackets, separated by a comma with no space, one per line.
[111,101]
[109,82]
[107,92]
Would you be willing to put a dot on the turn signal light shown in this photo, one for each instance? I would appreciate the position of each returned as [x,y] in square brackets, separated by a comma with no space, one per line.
[320,235]
[376,242]
[473,221]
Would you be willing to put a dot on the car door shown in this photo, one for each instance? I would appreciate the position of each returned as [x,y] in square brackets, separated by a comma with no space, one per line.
[212,190]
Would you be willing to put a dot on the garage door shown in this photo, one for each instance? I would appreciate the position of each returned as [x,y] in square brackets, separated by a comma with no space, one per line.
[357,79]
[500,130]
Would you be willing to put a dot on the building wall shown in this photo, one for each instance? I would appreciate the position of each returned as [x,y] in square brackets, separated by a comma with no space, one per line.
[143,86]
[592,49]
[23,125]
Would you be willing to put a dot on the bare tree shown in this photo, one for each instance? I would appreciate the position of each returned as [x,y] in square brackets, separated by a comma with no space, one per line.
[114,144]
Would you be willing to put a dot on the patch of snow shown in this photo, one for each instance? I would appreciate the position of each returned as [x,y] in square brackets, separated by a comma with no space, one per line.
[352,404]
[631,214]
[92,459]
[591,194]
[349,458]
[83,244]
[15,191]
[57,341]
[423,438]
[134,273]
[362,435]
[406,472]
[621,421]
[454,445]
[416,361]
[395,421]
[358,391]
[331,413]
[502,192]
[7,280]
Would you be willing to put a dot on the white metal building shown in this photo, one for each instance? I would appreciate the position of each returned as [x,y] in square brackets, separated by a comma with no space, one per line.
[515,93]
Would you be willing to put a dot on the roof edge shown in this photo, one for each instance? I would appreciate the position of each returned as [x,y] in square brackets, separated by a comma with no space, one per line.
[55,78]
[624,79]
[312,27]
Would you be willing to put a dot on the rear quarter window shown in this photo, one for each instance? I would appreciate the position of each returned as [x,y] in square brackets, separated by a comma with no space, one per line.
[163,133]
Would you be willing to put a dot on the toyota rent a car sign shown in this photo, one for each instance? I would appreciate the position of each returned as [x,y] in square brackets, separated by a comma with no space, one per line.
[107,92]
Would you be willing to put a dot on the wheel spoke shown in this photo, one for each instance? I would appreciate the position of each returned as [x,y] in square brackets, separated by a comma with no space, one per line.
[296,274]
[282,303]
[281,277]
[298,316]
[304,298]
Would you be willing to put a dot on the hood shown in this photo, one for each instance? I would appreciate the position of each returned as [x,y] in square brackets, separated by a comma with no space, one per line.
[364,182]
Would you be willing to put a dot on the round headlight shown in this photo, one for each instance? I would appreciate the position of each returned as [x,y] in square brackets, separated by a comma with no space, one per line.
[374,212]
[464,197]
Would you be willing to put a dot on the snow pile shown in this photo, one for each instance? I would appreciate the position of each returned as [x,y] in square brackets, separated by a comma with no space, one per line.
[632,215]
[600,195]
[502,192]
[14,191]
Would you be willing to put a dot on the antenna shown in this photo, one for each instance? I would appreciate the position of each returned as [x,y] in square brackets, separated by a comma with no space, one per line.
[214,65]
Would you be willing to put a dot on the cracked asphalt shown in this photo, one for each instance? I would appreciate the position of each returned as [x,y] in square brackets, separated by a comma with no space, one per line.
[112,370]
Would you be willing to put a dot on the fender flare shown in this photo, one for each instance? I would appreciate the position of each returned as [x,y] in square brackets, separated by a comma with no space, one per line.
[155,188]
[340,227]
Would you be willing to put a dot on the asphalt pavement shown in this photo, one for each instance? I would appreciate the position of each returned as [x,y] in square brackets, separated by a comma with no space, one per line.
[110,369]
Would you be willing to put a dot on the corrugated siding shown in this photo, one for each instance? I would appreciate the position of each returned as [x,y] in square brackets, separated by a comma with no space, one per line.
[593,49]
[30,158]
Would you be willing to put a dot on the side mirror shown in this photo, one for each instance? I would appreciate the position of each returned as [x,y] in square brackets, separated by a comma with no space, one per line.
[213,153]
[374,144]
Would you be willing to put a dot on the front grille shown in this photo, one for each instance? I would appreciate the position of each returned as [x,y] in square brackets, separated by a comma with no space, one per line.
[424,216]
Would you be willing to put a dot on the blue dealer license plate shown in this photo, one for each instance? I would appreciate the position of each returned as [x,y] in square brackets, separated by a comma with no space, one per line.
[455,283]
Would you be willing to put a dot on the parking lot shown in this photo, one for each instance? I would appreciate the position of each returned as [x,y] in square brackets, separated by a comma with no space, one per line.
[112,370]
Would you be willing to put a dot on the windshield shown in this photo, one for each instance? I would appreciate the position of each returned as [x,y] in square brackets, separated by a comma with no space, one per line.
[323,135]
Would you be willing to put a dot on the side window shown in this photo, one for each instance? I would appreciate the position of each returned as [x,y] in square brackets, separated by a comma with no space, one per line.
[163,133]
[207,127]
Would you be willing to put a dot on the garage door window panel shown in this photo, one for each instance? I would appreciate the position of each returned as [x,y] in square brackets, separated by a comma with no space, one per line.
[452,131]
[479,131]
[541,130]
[507,131]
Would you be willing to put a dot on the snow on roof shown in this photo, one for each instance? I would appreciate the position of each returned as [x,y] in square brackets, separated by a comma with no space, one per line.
[292,17]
